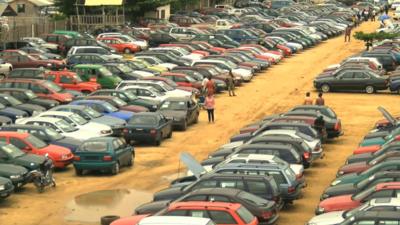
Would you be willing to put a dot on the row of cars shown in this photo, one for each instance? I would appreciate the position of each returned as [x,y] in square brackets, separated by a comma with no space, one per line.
[366,188]
[248,181]
[369,71]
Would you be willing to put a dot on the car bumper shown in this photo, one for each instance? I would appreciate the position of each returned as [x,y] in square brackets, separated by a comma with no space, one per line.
[140,137]
[289,198]
[271,221]
[335,133]
[20,182]
[7,192]
[63,163]
[94,165]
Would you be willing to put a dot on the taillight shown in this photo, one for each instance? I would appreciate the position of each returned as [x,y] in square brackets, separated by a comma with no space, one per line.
[107,158]
[291,189]
[299,176]
[153,131]
[337,126]
[266,214]
[125,130]
[306,155]
[77,158]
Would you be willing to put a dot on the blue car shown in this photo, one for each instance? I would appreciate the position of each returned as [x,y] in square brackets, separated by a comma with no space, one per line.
[240,35]
[12,113]
[394,84]
[105,108]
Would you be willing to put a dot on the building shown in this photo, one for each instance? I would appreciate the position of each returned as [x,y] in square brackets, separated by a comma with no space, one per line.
[29,8]
[162,12]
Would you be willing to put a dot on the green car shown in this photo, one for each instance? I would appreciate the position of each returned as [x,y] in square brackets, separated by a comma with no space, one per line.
[17,174]
[103,154]
[70,33]
[357,177]
[102,75]
[380,140]
[9,154]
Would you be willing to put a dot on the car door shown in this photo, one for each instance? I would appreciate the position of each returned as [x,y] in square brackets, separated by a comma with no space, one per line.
[343,81]
[121,151]
[361,80]
[67,82]
[163,125]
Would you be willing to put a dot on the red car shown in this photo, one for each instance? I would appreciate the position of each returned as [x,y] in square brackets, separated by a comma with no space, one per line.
[348,202]
[42,88]
[182,80]
[211,47]
[28,143]
[263,49]
[367,149]
[187,48]
[28,61]
[220,212]
[119,45]
[71,81]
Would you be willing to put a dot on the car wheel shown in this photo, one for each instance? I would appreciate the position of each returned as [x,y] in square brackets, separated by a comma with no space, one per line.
[196,120]
[115,169]
[158,140]
[78,172]
[370,89]
[170,134]
[184,125]
[325,88]
[127,51]
[130,162]
[398,91]
[107,220]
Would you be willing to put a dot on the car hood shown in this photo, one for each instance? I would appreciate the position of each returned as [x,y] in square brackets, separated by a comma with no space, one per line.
[13,111]
[110,121]
[341,189]
[232,145]
[367,149]
[297,168]
[338,203]
[125,115]
[249,129]
[347,179]
[354,167]
[359,158]
[241,137]
[373,141]
[178,93]
[44,101]
[55,150]
[152,207]
[68,142]
[97,127]
[168,194]
[331,218]
[7,170]
[32,106]
[173,113]
[29,161]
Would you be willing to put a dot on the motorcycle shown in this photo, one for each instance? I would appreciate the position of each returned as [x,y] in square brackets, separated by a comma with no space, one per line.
[44,176]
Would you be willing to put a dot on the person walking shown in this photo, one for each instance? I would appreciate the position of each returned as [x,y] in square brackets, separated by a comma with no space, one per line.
[320,100]
[209,105]
[359,17]
[373,15]
[210,86]
[308,100]
[203,86]
[347,34]
[231,84]
[386,9]
[365,15]
[354,20]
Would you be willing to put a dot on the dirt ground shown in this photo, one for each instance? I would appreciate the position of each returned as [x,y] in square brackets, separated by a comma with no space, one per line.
[274,91]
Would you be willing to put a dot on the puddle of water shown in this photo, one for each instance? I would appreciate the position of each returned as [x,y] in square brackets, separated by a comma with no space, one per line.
[92,206]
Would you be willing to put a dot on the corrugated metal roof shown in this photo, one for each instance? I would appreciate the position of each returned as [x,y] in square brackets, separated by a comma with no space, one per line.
[41,3]
[102,2]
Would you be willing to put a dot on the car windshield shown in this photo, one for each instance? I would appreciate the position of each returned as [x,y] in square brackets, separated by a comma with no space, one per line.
[365,182]
[190,79]
[362,195]
[354,211]
[143,120]
[130,95]
[245,215]
[54,135]
[139,65]
[78,119]
[35,142]
[105,72]
[64,126]
[124,68]
[109,107]
[12,151]
[166,87]
[94,146]
[120,102]
[304,136]
[92,113]
[174,105]
[52,86]
[248,197]
[13,101]
[30,94]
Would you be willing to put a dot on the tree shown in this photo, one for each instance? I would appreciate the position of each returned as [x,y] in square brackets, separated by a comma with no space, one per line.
[369,38]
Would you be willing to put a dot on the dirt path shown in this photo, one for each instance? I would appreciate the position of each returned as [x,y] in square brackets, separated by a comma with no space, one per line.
[275,91]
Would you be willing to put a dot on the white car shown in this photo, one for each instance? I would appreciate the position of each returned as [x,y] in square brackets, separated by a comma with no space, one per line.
[175,220]
[169,91]
[93,49]
[60,125]
[156,61]
[245,74]
[42,43]
[127,38]
[5,69]
[376,204]
[145,92]
[180,52]
[79,122]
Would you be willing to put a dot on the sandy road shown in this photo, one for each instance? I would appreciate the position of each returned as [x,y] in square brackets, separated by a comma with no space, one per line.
[277,90]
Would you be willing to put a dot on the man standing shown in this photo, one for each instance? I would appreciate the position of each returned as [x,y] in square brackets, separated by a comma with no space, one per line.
[320,100]
[308,100]
[347,34]
[231,84]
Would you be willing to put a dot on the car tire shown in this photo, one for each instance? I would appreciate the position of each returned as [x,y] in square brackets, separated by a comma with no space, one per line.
[170,134]
[196,120]
[127,51]
[325,88]
[78,172]
[130,162]
[157,140]
[369,89]
[107,220]
[115,169]
[184,125]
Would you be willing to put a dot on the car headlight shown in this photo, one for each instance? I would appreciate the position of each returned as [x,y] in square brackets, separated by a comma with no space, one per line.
[336,182]
[325,196]
[2,187]
[14,177]
[105,131]
[178,119]
[19,116]
[154,106]
[64,157]
[68,99]
[49,64]
[341,172]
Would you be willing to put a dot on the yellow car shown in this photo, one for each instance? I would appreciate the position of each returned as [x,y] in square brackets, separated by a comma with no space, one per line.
[142,63]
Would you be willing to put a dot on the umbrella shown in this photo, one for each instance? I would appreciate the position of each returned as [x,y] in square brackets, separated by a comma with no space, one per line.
[384,17]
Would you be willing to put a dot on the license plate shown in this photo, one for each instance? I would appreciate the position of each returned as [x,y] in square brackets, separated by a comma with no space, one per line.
[139,129]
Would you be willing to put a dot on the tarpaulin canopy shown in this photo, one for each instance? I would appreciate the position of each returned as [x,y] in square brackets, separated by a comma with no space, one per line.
[103,2]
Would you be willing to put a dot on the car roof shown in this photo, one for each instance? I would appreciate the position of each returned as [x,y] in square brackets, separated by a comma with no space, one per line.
[205,205]
[89,101]
[385,201]
[24,80]
[223,191]
[59,113]
[93,66]
[14,134]
[174,220]
[265,146]
[105,139]
[43,119]
[387,185]
[252,156]
[70,106]
[376,215]
[13,89]
[25,126]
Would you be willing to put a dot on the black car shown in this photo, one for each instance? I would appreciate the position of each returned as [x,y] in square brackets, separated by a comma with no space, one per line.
[12,113]
[9,154]
[46,134]
[10,101]
[30,73]
[17,174]
[158,38]
[352,80]
[27,96]
[349,189]
[7,189]
[262,186]
[264,210]
[150,127]
[182,111]
[394,146]
[129,97]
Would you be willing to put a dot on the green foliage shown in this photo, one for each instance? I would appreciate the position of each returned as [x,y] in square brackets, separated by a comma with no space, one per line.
[67,7]
[369,37]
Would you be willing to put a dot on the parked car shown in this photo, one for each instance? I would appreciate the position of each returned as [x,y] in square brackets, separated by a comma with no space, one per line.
[118,103]
[28,143]
[182,111]
[10,101]
[97,73]
[71,81]
[104,153]
[27,96]
[120,45]
[105,108]
[6,187]
[18,175]
[27,61]
[9,154]
[93,49]
[148,127]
